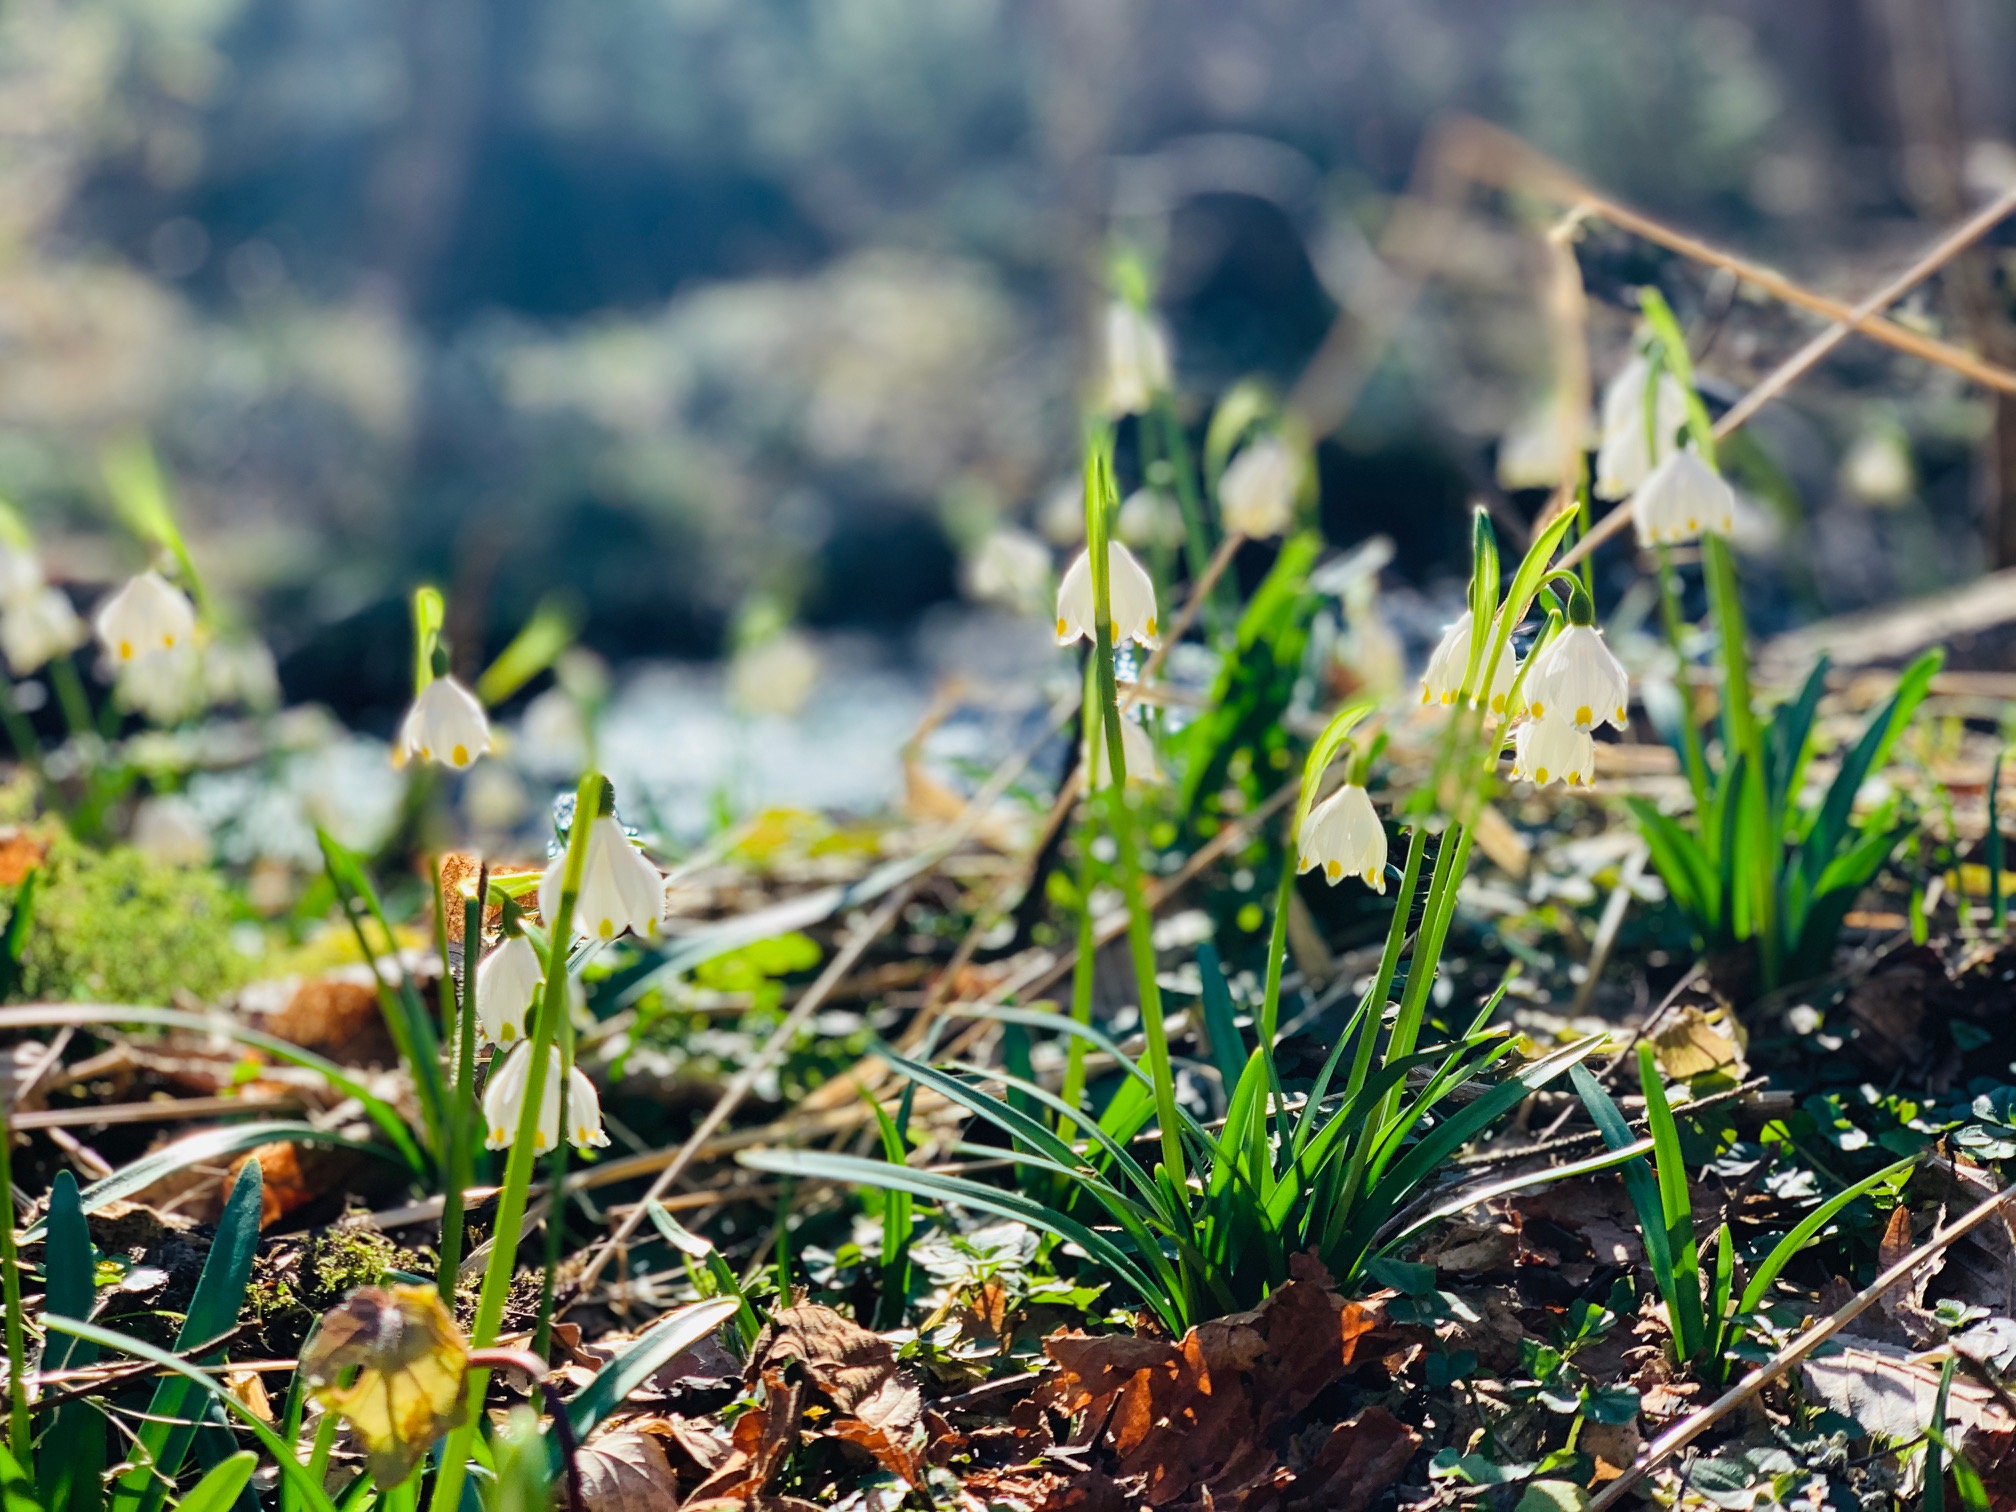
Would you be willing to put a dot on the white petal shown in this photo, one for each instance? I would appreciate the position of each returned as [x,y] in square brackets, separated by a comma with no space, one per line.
[584,1112]
[147,614]
[446,724]
[1074,602]
[507,985]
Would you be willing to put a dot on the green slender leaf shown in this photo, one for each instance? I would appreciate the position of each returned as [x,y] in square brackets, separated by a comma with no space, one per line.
[1676,1208]
[1803,1234]
[219,1489]
[96,1017]
[1220,1019]
[16,1494]
[958,1191]
[70,1464]
[1639,1183]
[164,1438]
[897,1224]
[1837,810]
[1682,865]
[308,1490]
[202,1149]
[1934,1499]
[1789,741]
[643,1359]
[1471,1196]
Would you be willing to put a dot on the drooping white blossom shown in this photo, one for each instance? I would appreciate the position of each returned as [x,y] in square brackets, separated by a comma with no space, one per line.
[38,627]
[1256,497]
[1553,750]
[1011,568]
[445,724]
[1578,679]
[1683,498]
[1133,599]
[507,985]
[1343,835]
[148,614]
[168,828]
[1450,662]
[620,888]
[1626,455]
[1137,359]
[1137,753]
[504,1103]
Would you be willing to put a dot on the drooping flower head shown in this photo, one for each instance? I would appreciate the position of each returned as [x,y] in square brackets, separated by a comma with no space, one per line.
[1137,359]
[1343,835]
[1011,568]
[504,1103]
[445,724]
[1256,497]
[507,985]
[1551,749]
[1137,752]
[1683,498]
[38,627]
[620,888]
[1133,599]
[1450,662]
[1576,677]
[1626,454]
[147,614]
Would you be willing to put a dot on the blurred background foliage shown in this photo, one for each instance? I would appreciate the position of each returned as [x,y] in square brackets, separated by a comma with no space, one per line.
[672,303]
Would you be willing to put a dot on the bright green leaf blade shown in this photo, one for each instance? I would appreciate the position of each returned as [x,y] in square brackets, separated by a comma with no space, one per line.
[219,1489]
[615,1381]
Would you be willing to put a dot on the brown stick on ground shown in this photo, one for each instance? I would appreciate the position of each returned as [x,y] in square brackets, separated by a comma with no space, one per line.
[1683,1433]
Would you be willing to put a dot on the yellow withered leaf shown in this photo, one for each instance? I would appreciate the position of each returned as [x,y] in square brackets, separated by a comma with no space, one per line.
[1693,1043]
[389,1361]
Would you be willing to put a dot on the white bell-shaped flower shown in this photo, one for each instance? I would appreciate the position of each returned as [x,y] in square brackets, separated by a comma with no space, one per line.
[504,1103]
[1137,359]
[1256,497]
[507,985]
[1626,455]
[1553,750]
[148,614]
[1133,596]
[1149,518]
[1343,835]
[20,576]
[620,888]
[37,628]
[445,724]
[1137,752]
[165,687]
[1578,679]
[1683,498]
[1010,568]
[1450,661]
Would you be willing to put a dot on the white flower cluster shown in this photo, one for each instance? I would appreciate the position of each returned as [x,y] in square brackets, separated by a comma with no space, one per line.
[1675,495]
[1575,684]
[504,1103]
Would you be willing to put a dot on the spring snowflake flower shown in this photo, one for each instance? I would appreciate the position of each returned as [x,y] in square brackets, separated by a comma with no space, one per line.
[1553,750]
[1256,497]
[1451,660]
[1137,359]
[37,628]
[164,687]
[507,985]
[148,614]
[504,1103]
[1623,458]
[1010,568]
[445,724]
[1683,497]
[1133,594]
[1343,835]
[620,888]
[20,576]
[168,828]
[1578,679]
[1137,750]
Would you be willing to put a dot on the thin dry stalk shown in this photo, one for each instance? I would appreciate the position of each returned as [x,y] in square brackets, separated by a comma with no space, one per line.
[1683,1433]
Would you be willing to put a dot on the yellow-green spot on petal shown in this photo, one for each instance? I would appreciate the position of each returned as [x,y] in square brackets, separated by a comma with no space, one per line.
[461,755]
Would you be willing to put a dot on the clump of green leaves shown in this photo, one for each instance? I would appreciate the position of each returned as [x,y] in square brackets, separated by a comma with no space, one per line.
[1704,1309]
[117,926]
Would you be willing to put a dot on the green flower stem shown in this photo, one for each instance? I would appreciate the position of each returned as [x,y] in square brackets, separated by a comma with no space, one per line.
[454,1462]
[1099,503]
[1197,542]
[465,1117]
[556,1187]
[1389,963]
[1277,948]
[10,1291]
[1674,623]
[70,695]
[1084,964]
